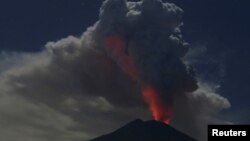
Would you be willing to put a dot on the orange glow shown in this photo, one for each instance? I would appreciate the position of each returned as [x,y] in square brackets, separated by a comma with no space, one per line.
[160,111]
[116,45]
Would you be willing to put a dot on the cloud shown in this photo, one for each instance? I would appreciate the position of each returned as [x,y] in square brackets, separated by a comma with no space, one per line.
[199,109]
[76,89]
[67,80]
[23,119]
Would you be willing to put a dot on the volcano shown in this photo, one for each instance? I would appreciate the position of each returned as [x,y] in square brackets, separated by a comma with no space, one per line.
[139,130]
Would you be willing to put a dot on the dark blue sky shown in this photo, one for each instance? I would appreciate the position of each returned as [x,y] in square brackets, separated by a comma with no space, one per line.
[220,25]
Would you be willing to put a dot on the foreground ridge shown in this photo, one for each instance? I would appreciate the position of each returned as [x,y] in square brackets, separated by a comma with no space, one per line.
[139,130]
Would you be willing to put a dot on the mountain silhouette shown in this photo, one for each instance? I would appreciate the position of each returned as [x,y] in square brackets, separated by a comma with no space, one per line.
[139,130]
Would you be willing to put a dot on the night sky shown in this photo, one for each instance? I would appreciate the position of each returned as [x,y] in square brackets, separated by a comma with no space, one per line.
[220,28]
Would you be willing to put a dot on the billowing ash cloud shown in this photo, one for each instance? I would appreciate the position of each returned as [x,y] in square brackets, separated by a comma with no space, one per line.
[81,87]
[144,39]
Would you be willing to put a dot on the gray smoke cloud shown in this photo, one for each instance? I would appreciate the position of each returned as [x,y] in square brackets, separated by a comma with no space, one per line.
[151,31]
[76,88]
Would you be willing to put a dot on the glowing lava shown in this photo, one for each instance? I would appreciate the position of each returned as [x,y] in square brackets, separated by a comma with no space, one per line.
[116,47]
[160,111]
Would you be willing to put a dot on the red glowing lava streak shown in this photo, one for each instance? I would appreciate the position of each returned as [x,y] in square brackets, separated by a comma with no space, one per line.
[160,111]
[117,49]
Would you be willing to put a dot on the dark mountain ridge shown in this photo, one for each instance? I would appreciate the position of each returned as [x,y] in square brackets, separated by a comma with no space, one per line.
[139,130]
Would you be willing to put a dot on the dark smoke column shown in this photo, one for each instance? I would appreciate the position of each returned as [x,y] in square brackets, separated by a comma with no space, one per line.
[144,39]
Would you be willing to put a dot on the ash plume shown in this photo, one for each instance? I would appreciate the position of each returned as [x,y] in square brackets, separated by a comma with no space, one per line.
[134,53]
[144,39]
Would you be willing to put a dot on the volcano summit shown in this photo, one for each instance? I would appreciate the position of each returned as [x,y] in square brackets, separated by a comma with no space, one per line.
[139,130]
